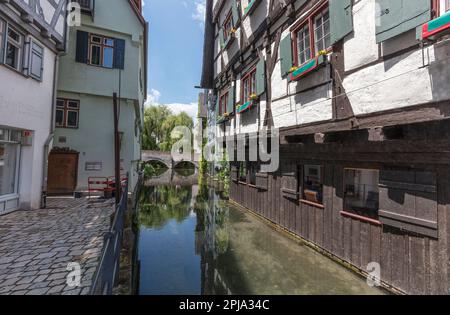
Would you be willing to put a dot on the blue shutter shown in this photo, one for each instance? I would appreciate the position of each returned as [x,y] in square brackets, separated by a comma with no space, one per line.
[81,53]
[230,105]
[235,12]
[395,17]
[286,55]
[119,54]
[221,39]
[341,21]
[261,77]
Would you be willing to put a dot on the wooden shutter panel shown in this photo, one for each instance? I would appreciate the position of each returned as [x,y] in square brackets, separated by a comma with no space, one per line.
[119,54]
[286,55]
[230,105]
[235,12]
[395,17]
[262,181]
[261,77]
[81,53]
[341,20]
[221,40]
[408,201]
[217,107]
[289,186]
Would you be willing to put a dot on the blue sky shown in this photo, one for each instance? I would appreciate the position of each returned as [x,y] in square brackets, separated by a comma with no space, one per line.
[175,52]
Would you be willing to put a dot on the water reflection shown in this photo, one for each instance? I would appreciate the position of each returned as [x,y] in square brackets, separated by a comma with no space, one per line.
[192,242]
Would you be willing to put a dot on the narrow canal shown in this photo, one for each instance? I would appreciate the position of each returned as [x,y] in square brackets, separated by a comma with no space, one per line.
[193,242]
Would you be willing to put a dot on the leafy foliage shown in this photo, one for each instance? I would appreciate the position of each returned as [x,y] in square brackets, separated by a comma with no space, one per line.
[159,122]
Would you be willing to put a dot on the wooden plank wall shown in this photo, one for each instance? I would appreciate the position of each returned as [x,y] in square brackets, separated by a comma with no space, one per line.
[412,263]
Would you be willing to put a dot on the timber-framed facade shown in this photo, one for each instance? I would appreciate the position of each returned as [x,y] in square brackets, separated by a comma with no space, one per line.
[358,91]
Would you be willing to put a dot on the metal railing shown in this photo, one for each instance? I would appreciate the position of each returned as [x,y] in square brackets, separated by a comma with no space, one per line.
[107,274]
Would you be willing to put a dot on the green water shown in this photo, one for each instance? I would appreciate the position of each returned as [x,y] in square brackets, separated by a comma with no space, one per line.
[191,242]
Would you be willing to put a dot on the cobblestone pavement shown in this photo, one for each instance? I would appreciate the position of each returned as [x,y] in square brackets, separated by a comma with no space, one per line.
[37,246]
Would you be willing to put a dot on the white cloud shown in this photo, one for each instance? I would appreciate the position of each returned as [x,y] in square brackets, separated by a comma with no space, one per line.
[190,108]
[153,97]
[200,11]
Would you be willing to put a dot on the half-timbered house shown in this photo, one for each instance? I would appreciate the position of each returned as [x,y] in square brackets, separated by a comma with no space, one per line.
[359,93]
[32,36]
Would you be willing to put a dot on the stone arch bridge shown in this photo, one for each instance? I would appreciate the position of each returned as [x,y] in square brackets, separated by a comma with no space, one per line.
[166,158]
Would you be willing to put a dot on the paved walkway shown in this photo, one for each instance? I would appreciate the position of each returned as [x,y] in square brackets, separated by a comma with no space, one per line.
[37,246]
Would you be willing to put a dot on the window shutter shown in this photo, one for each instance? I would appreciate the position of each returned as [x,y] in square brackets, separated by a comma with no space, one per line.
[341,21]
[217,107]
[230,105]
[286,55]
[408,201]
[261,77]
[119,54]
[221,40]
[235,12]
[395,17]
[81,54]
[290,182]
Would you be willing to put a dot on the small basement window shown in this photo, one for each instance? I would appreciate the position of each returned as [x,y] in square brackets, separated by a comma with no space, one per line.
[361,192]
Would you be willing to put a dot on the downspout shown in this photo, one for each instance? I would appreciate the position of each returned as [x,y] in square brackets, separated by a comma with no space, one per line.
[51,135]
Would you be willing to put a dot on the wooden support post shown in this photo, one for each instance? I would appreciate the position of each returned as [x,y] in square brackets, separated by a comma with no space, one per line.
[118,184]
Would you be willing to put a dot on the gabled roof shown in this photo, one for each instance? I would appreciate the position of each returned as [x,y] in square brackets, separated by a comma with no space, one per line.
[136,5]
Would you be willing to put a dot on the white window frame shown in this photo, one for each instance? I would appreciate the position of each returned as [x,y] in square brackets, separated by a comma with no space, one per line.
[66,109]
[19,45]
[322,39]
[15,194]
[305,38]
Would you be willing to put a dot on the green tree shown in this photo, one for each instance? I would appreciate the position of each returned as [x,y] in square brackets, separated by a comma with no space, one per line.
[159,122]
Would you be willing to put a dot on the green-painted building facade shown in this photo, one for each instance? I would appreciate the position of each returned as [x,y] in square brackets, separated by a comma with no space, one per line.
[106,54]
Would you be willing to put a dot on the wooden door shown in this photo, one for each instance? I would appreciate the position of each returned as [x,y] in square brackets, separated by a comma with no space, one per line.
[62,173]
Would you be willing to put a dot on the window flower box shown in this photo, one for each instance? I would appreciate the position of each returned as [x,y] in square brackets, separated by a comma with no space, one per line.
[240,109]
[436,28]
[223,118]
[303,70]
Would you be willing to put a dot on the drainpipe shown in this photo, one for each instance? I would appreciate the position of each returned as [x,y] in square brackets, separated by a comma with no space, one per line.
[51,135]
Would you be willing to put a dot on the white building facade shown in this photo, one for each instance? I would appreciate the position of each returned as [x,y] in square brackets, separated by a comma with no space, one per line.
[32,35]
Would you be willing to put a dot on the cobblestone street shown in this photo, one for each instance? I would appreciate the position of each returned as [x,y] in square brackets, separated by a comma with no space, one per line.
[37,246]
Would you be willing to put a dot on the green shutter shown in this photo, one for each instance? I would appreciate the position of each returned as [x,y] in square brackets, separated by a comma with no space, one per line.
[217,108]
[395,17]
[341,21]
[235,12]
[221,40]
[260,77]
[286,55]
[230,105]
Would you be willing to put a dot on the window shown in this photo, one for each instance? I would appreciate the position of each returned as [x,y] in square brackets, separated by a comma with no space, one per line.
[36,61]
[248,85]
[13,52]
[447,6]
[243,172]
[67,113]
[361,194]
[101,51]
[313,183]
[223,103]
[9,161]
[303,45]
[311,35]
[227,26]
[322,31]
